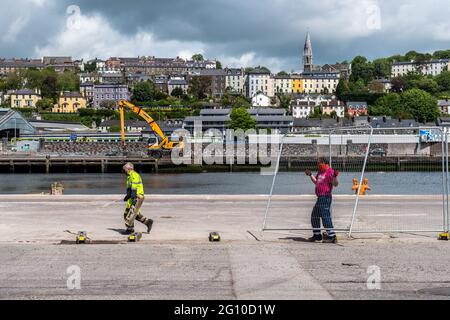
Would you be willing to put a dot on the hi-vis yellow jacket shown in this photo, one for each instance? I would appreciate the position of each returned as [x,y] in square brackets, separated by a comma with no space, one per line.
[134,182]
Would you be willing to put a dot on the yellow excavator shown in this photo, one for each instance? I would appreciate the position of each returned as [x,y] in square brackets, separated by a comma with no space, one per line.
[162,144]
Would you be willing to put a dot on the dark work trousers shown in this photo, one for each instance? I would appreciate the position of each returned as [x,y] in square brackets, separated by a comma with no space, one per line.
[322,210]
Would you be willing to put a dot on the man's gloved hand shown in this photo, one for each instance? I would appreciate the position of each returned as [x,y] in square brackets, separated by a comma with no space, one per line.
[336,173]
[308,172]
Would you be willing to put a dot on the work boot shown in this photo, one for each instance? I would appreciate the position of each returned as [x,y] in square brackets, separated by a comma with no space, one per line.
[129,230]
[326,236]
[149,225]
[329,239]
[315,238]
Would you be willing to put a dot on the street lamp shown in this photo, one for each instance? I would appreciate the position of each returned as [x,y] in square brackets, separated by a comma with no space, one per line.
[15,131]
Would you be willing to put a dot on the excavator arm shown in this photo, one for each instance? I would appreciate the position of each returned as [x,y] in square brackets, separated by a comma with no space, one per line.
[164,144]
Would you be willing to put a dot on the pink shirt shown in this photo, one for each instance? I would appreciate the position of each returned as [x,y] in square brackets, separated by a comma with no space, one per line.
[324,185]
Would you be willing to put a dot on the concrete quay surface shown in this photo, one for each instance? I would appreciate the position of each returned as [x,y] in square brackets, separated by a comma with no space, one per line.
[176,261]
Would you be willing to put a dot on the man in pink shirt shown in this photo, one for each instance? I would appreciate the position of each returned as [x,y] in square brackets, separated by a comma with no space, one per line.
[325,180]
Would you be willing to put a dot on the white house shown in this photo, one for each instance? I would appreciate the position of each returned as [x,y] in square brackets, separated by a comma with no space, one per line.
[261,100]
[433,67]
[259,81]
[302,109]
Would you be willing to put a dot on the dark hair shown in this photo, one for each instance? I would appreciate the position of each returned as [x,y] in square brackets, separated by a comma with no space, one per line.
[323,160]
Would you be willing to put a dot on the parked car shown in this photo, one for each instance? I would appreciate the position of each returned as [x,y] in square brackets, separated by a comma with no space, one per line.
[378,152]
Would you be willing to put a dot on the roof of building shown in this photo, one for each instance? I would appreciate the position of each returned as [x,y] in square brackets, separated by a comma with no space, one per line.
[208,119]
[385,122]
[414,62]
[233,71]
[75,94]
[177,82]
[213,72]
[267,111]
[258,71]
[24,92]
[58,126]
[21,63]
[307,123]
[110,85]
[262,118]
[11,119]
[302,103]
[332,103]
[205,112]
[321,75]
[128,123]
[442,103]
[356,104]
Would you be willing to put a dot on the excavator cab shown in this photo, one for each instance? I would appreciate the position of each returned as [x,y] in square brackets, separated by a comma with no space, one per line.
[153,141]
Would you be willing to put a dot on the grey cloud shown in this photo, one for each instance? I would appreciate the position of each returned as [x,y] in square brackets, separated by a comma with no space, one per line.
[269,28]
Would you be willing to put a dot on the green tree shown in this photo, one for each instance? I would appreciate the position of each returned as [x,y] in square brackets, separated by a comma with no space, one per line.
[398,84]
[49,87]
[45,104]
[285,102]
[376,86]
[68,81]
[108,104]
[441,54]
[226,99]
[198,57]
[90,67]
[389,105]
[199,87]
[143,92]
[13,82]
[362,70]
[241,103]
[443,80]
[241,119]
[177,92]
[424,83]
[218,65]
[33,78]
[421,105]
[342,89]
[317,113]
[411,55]
[382,68]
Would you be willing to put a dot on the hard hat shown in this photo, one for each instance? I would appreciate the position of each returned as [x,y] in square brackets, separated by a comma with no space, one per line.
[128,166]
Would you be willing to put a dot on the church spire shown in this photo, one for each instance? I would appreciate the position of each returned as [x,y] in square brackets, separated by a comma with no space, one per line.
[308,55]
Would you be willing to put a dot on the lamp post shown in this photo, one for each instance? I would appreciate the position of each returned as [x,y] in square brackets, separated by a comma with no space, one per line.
[15,132]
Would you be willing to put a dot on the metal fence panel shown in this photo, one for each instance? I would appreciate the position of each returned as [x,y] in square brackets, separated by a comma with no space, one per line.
[406,168]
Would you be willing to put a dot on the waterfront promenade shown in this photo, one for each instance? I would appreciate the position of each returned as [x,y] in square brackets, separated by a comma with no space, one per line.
[176,261]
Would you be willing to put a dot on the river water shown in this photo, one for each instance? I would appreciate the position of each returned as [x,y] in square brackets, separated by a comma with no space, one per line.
[402,183]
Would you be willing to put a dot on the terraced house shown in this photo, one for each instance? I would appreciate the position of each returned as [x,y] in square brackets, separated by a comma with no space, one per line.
[8,66]
[70,102]
[25,98]
[283,84]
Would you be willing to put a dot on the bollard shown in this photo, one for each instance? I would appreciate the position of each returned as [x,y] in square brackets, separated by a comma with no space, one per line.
[57,189]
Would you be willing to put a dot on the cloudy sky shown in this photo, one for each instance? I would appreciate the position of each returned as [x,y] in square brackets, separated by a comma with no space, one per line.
[237,32]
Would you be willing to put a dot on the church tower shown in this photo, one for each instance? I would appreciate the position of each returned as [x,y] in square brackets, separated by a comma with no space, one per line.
[308,55]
